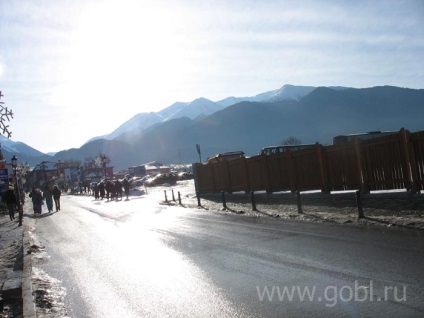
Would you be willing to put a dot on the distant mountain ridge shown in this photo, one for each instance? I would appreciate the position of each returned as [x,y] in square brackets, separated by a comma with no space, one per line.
[308,113]
[202,107]
[22,151]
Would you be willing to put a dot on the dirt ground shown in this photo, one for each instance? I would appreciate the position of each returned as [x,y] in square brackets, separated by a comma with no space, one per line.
[389,209]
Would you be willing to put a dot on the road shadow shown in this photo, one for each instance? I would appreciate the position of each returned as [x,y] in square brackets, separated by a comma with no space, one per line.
[40,216]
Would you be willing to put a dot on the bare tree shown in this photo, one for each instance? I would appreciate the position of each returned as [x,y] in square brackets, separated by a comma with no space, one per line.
[91,163]
[291,141]
[5,115]
[74,163]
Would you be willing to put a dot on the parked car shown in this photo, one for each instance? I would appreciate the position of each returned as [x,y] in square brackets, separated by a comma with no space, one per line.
[185,176]
[160,179]
[138,181]
[226,156]
[271,150]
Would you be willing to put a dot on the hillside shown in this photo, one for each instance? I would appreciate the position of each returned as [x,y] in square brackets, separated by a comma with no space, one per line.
[249,126]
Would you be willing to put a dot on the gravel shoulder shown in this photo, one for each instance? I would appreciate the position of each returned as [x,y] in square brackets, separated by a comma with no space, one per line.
[388,209]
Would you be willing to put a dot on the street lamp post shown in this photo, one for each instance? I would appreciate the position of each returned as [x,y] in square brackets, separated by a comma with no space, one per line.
[15,168]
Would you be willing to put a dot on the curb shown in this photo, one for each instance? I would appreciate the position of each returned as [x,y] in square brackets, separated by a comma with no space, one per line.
[27,297]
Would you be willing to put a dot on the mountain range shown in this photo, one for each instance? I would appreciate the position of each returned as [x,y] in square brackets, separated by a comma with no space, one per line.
[311,114]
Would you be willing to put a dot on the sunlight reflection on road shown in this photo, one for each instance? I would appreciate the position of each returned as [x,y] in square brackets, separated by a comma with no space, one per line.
[133,270]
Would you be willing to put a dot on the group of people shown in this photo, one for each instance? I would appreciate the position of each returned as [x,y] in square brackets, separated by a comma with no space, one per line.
[111,189]
[48,195]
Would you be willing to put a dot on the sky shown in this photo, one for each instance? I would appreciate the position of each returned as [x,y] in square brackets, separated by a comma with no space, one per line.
[71,70]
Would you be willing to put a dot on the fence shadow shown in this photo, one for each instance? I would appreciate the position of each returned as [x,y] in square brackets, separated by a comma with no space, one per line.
[377,204]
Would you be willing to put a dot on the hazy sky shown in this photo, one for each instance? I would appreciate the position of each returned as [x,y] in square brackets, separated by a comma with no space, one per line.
[74,69]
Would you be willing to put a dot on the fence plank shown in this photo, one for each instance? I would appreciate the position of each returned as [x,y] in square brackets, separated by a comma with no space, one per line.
[238,175]
[385,165]
[342,167]
[307,169]
[258,173]
[221,176]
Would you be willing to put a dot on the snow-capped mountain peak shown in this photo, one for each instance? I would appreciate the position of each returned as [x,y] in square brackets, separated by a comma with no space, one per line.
[291,92]
[193,109]
[17,147]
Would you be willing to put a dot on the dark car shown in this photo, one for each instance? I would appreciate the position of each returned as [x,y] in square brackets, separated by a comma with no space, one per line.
[185,176]
[138,181]
[160,179]
[225,156]
[272,150]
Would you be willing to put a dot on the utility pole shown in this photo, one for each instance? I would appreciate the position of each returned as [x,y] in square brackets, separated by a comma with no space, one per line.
[199,152]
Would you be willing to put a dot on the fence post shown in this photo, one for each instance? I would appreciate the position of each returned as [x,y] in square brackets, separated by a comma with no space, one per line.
[173,197]
[299,203]
[179,198]
[224,203]
[359,203]
[252,196]
[166,198]
[198,198]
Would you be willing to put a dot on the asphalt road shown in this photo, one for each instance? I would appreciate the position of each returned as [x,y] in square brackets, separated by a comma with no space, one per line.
[137,258]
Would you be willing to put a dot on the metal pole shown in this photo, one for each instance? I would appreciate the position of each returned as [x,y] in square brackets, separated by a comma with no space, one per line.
[179,198]
[252,196]
[198,198]
[20,211]
[299,203]
[166,198]
[173,197]
[224,202]
[359,203]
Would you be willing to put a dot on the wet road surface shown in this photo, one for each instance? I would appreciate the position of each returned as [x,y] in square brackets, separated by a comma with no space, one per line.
[137,258]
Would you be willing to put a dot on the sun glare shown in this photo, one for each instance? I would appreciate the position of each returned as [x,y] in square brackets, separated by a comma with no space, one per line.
[122,54]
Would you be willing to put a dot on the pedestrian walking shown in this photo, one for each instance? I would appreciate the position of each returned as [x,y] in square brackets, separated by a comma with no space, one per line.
[56,196]
[48,197]
[110,190]
[102,189]
[118,189]
[10,199]
[37,200]
[96,191]
[126,185]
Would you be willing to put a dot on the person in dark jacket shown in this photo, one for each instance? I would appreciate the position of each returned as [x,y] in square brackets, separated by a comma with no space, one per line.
[102,189]
[118,190]
[126,185]
[56,197]
[110,190]
[48,197]
[10,199]
[37,200]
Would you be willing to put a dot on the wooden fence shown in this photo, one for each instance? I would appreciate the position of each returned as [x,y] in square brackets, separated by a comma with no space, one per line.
[390,162]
